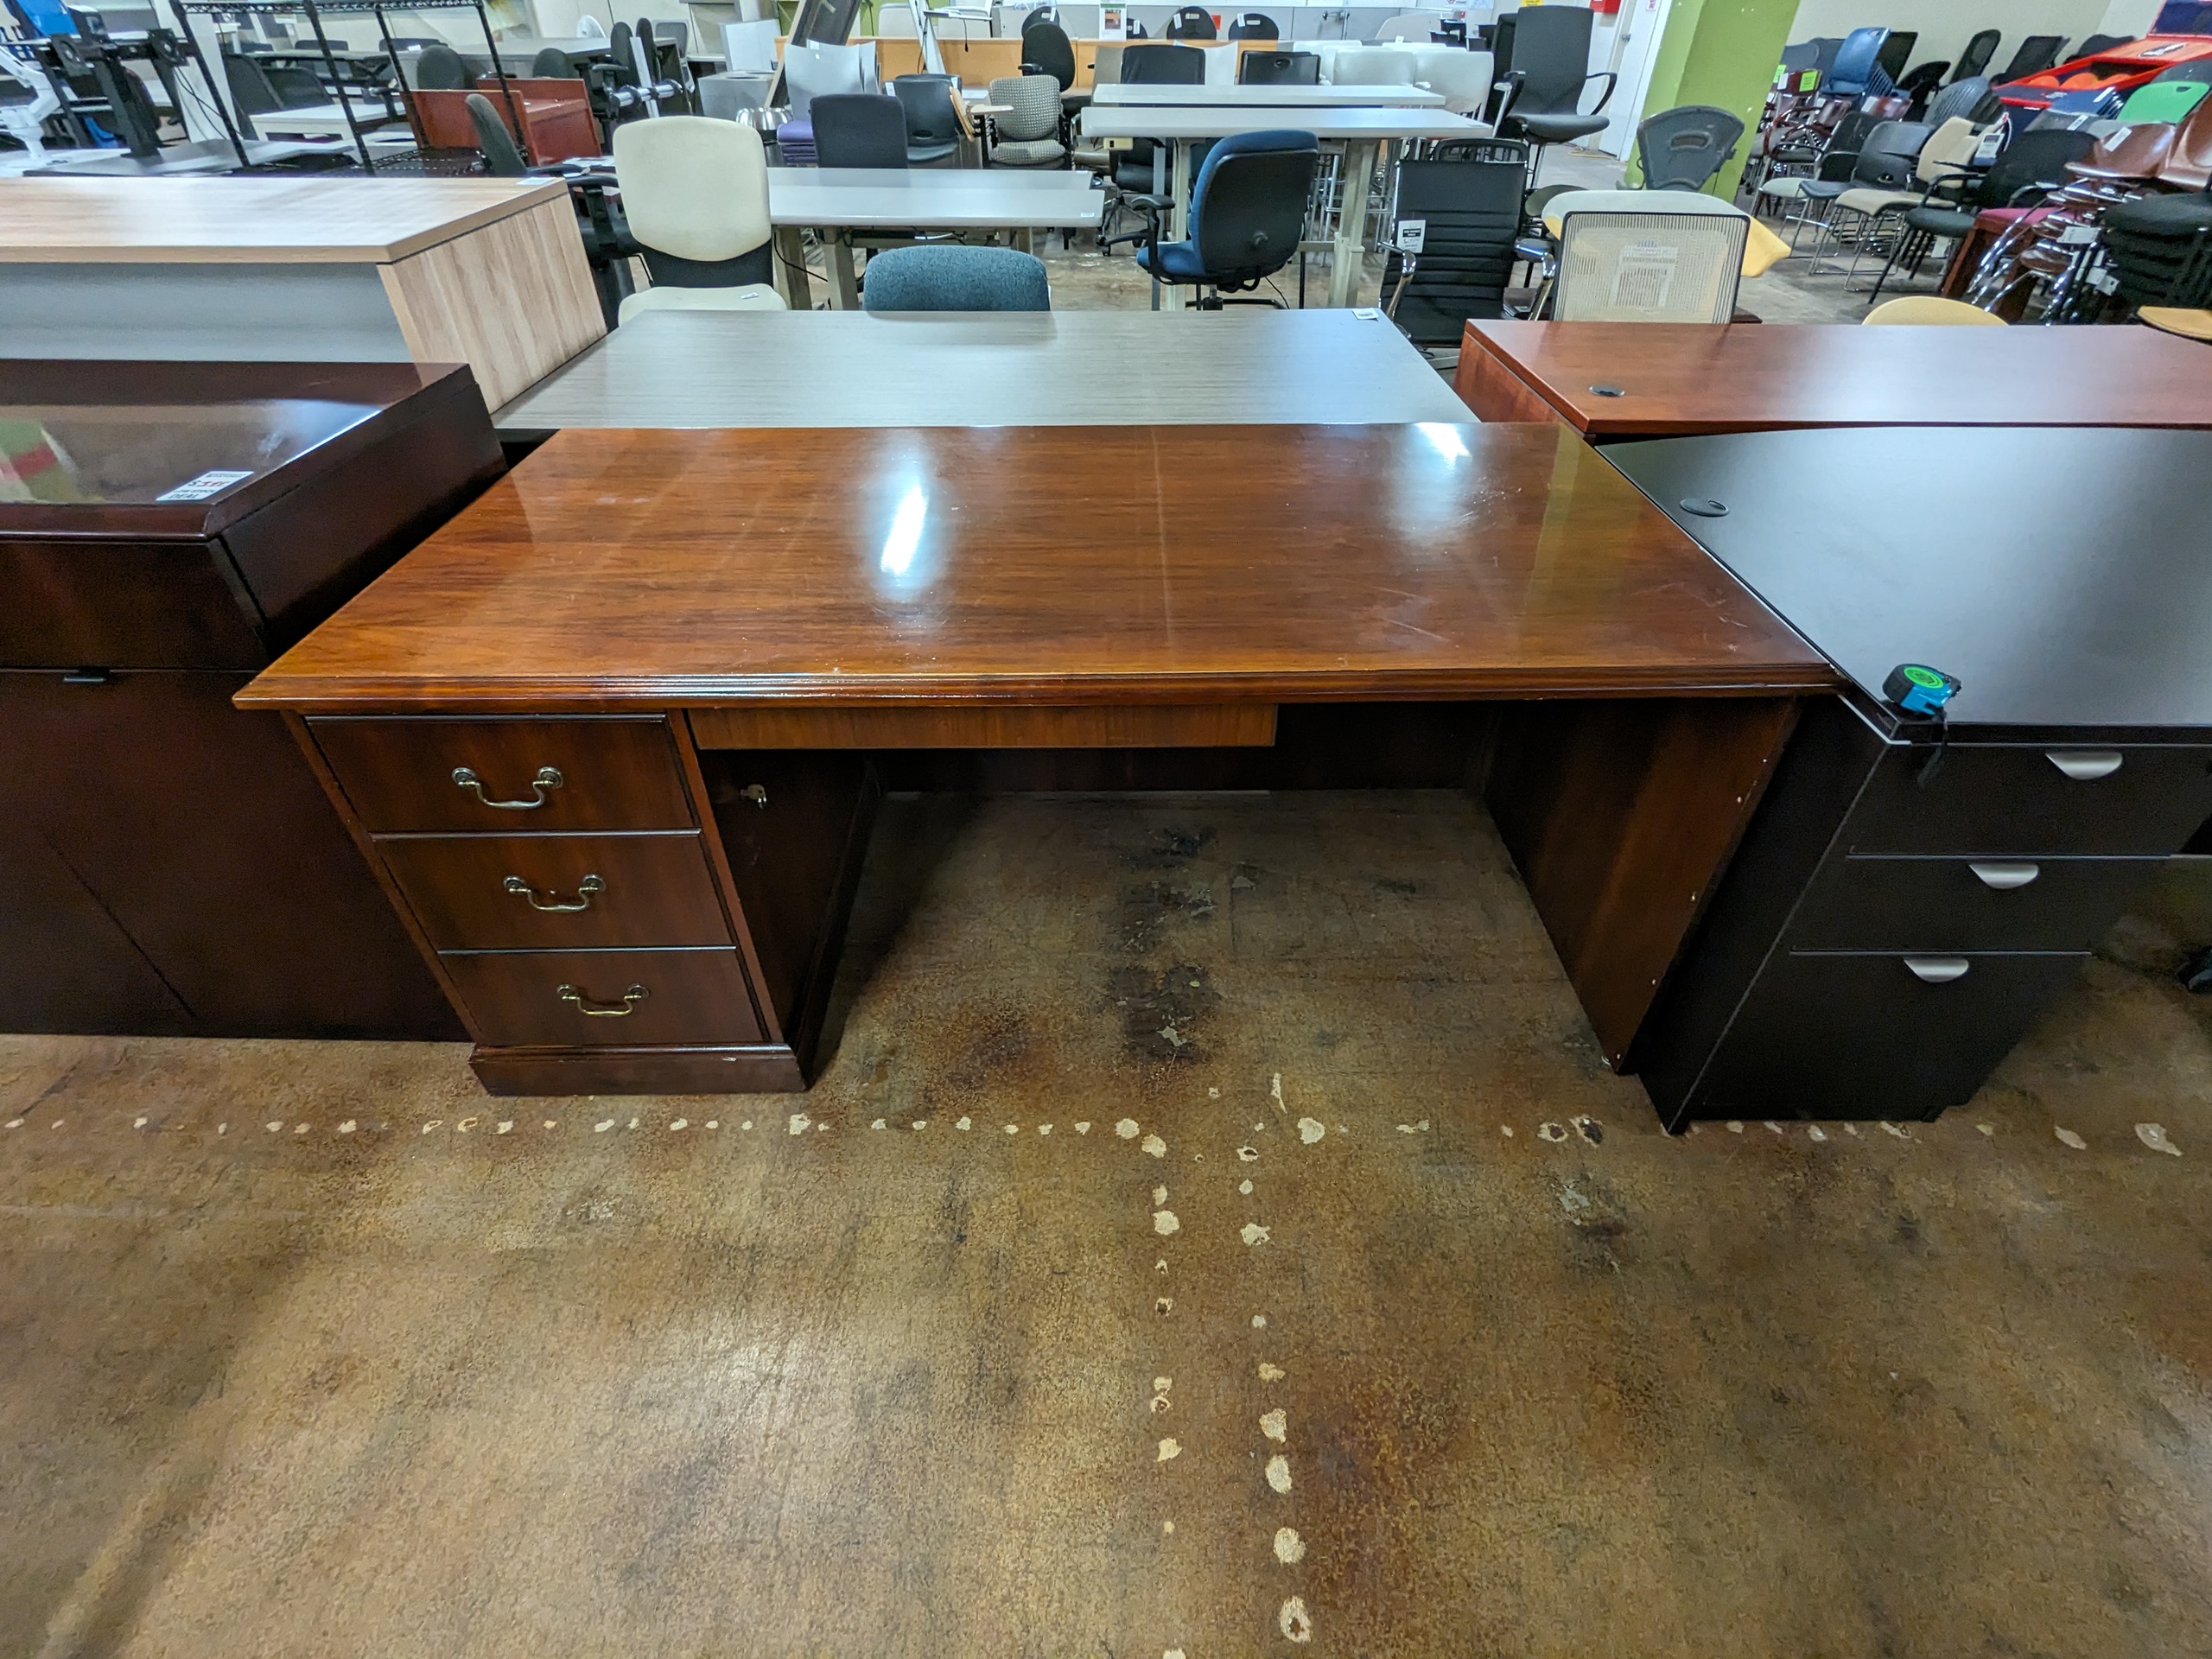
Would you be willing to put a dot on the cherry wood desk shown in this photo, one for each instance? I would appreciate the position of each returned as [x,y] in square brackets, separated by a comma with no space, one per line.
[609,736]
[1685,379]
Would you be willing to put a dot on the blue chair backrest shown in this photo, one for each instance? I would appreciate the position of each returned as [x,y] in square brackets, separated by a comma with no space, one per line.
[1855,61]
[956,279]
[1248,209]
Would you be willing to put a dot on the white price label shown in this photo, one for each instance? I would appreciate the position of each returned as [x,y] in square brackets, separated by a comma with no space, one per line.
[209,483]
[1412,235]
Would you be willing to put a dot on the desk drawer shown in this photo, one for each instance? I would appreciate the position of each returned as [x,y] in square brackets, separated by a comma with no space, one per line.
[2020,800]
[1862,1035]
[540,998]
[555,893]
[1958,903]
[505,776]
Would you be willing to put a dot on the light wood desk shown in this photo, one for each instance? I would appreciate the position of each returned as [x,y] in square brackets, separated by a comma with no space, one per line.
[1054,368]
[607,735]
[490,272]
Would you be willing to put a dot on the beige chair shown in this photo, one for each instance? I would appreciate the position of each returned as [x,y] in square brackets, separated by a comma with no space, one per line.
[695,192]
[1942,160]
[2174,320]
[1462,78]
[1026,135]
[1926,307]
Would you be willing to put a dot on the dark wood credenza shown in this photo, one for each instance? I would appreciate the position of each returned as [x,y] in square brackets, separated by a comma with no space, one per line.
[170,864]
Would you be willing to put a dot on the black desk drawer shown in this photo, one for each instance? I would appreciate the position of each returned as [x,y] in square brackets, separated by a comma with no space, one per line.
[2020,800]
[1959,903]
[1862,1035]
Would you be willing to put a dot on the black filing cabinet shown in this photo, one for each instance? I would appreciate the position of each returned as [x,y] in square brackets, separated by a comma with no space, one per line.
[1908,898]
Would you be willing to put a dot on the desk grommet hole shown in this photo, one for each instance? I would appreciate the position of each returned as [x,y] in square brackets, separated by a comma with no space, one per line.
[1609,392]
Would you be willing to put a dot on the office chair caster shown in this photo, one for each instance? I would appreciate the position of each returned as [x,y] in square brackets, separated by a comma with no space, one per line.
[2196,973]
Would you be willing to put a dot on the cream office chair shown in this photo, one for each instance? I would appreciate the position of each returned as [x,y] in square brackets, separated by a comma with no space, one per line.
[1927,308]
[1462,78]
[695,192]
[1648,267]
[1374,66]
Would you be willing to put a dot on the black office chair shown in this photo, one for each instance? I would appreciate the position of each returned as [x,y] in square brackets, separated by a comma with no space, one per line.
[859,130]
[1153,64]
[1976,58]
[1279,69]
[1255,26]
[1683,149]
[2035,53]
[933,117]
[1042,14]
[1192,24]
[1465,193]
[1247,216]
[1046,50]
[503,157]
[442,69]
[2028,169]
[2097,43]
[551,63]
[1919,84]
[1551,70]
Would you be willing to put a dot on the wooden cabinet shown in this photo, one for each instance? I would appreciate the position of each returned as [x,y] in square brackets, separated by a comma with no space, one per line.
[170,864]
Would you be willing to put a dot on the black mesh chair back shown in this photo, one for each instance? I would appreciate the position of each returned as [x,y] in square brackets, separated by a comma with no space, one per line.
[859,130]
[1279,69]
[932,119]
[1046,50]
[1919,83]
[2034,161]
[1961,97]
[2097,43]
[1254,25]
[503,157]
[1885,159]
[440,69]
[250,93]
[1163,65]
[1192,24]
[551,63]
[2037,54]
[1895,52]
[1974,59]
[621,58]
[1250,206]
[2159,250]
[1467,195]
[1551,53]
[1042,14]
[1683,149]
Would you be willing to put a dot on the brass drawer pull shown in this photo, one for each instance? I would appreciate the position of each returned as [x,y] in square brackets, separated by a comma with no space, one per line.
[631,998]
[547,778]
[585,889]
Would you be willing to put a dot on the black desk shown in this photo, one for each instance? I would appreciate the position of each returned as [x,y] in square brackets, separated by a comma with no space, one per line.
[1888,930]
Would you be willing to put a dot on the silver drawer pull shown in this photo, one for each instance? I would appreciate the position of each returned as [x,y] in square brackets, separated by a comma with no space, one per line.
[631,998]
[1937,970]
[555,903]
[2086,765]
[2002,878]
[547,778]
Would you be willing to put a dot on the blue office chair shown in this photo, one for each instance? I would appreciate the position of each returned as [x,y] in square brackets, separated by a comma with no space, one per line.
[1248,212]
[947,278]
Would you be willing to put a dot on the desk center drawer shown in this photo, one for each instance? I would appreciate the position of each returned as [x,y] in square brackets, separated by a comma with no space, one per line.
[557,892]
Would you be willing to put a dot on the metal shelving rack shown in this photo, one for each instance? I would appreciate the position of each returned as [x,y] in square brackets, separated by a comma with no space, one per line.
[314,11]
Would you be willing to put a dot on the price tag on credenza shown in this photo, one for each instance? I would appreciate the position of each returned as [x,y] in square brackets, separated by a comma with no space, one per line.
[213,482]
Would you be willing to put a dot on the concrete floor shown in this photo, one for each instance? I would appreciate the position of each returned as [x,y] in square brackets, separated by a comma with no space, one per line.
[984,1346]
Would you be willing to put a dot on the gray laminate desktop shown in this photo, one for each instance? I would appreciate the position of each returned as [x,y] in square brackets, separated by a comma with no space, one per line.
[1059,368]
[1249,96]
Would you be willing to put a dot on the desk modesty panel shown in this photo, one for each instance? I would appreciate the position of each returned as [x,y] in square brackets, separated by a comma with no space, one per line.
[1642,379]
[701,636]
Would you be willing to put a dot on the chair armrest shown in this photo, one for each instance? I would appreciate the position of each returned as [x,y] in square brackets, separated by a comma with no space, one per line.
[2027,191]
[1513,81]
[1147,208]
[1611,80]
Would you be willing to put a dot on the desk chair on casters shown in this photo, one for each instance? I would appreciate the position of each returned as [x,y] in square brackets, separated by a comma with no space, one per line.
[1551,70]
[1974,59]
[859,130]
[503,157]
[1648,267]
[933,117]
[1465,195]
[1683,149]
[1279,69]
[957,279]
[695,193]
[1248,212]
[1027,135]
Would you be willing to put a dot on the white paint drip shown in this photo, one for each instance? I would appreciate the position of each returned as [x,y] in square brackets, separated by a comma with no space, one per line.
[1735,1126]
[1159,1196]
[1773,1128]
[1275,1091]
[220,1129]
[504,1125]
[1253,1233]
[1892,1128]
[800,1122]
[1169,1449]
[435,1124]
[1248,1154]
[461,1128]
[348,1127]
[1175,1038]
[680,1124]
[746,1124]
[1421,1128]
[1164,1222]
[1164,1307]
[1127,1129]
[712,1123]
[602,1125]
[551,1122]
[1044,1129]
[1158,1403]
[1552,1132]
[1161,1266]
[1813,1131]
[1172,1653]
[273,1128]
[1154,1145]
[1083,1129]
[1275,1424]
[919,1123]
[1290,1549]
[1245,1187]
[1259,1321]
[2153,1135]
[1851,1129]
[1294,1621]
[1162,1384]
[1987,1129]
[964,1125]
[1279,1472]
[819,1128]
[138,1122]
[17,1123]
[1310,1130]
[1505,1129]
[1271,1373]
[1213,1094]
[2068,1138]
[1013,1129]
[633,1122]
[879,1124]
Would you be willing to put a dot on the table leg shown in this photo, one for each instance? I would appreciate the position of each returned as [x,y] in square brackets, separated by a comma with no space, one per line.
[791,268]
[1348,263]
[1024,239]
[1178,213]
[844,281]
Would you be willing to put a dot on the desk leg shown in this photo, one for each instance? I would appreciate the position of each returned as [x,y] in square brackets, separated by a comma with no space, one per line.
[844,280]
[1348,265]
[791,268]
[1179,213]
[1024,239]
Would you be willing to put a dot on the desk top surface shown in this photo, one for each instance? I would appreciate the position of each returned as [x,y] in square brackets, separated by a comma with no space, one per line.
[1049,368]
[1046,565]
[949,198]
[2059,573]
[1221,120]
[249,220]
[1685,378]
[1241,96]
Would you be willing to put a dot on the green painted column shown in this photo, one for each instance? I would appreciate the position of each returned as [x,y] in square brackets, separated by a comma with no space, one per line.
[1723,52]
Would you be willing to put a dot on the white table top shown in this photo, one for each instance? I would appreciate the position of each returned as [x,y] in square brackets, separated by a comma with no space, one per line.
[1219,121]
[868,197]
[1403,96]
[1057,368]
